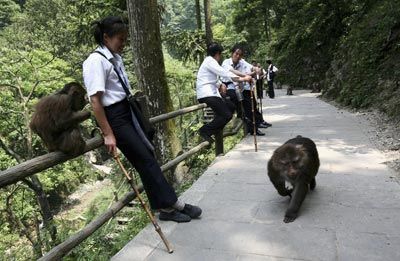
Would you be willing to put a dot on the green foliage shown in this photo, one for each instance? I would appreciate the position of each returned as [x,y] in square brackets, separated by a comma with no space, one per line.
[26,76]
[364,71]
[8,9]
[179,14]
[183,44]
[308,34]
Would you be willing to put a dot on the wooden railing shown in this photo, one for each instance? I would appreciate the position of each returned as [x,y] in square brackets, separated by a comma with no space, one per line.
[38,164]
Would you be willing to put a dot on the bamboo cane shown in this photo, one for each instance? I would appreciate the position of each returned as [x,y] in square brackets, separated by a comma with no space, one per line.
[254,116]
[260,97]
[261,109]
[146,209]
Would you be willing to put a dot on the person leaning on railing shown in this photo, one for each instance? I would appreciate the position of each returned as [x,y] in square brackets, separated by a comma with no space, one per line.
[242,68]
[106,82]
[209,91]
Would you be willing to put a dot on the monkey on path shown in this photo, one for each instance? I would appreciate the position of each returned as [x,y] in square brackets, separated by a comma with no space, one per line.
[56,119]
[296,162]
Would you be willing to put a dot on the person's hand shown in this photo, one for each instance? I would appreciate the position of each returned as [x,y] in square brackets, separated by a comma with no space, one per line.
[248,79]
[222,89]
[111,143]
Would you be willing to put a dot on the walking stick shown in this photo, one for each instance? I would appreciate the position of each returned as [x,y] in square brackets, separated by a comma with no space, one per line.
[258,78]
[254,116]
[146,209]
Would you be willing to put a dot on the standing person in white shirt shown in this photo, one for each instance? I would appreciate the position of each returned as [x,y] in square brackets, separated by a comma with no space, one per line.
[105,77]
[271,72]
[239,66]
[209,91]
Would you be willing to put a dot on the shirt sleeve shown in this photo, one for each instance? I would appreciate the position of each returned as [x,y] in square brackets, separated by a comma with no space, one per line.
[94,74]
[214,67]
[226,65]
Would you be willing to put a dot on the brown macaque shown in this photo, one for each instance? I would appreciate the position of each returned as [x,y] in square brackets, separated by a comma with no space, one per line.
[56,119]
[296,162]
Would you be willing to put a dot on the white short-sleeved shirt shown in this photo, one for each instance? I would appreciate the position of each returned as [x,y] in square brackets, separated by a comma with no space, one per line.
[242,66]
[246,68]
[99,76]
[207,77]
[274,69]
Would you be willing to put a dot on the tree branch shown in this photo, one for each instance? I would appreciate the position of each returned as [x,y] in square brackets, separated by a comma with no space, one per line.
[9,151]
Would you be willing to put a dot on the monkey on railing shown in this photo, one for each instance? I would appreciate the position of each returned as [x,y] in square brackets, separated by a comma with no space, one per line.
[57,116]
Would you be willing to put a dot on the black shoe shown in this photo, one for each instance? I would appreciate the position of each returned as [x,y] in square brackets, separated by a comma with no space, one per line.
[258,133]
[262,125]
[206,137]
[191,211]
[266,124]
[174,216]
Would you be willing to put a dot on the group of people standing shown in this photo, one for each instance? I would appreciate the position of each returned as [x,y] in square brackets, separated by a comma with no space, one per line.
[228,87]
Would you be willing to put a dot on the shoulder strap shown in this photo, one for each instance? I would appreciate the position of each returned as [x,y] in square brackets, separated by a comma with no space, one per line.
[128,93]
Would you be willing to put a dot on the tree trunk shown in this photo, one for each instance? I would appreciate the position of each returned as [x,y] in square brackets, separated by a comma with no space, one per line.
[200,56]
[266,20]
[198,14]
[207,21]
[145,37]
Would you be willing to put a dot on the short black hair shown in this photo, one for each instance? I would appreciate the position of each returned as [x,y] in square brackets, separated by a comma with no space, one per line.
[214,48]
[269,61]
[237,47]
[110,25]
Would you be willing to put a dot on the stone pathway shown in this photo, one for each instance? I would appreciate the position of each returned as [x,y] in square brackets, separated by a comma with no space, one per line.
[353,214]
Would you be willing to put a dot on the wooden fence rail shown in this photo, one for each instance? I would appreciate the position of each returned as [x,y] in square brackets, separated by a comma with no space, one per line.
[38,164]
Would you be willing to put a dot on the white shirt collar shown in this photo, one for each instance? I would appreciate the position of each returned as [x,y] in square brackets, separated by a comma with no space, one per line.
[109,55]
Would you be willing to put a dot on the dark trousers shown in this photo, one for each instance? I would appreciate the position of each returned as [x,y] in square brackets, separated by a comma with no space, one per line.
[248,110]
[259,88]
[271,92]
[238,106]
[160,193]
[222,109]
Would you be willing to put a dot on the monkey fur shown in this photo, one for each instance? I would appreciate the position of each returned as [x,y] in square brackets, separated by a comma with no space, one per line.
[56,119]
[296,162]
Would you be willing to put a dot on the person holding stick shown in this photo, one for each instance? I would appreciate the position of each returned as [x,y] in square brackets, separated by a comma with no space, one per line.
[209,91]
[107,85]
[240,67]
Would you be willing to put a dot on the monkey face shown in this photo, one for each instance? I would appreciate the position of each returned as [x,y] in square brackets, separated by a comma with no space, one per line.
[289,160]
[78,100]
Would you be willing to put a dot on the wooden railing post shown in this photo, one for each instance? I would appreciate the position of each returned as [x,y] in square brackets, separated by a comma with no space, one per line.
[219,143]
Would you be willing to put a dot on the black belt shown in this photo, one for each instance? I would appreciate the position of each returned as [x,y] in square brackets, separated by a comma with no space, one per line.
[227,83]
[108,107]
